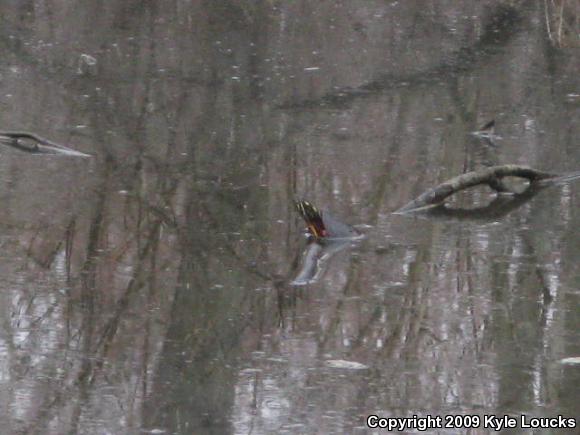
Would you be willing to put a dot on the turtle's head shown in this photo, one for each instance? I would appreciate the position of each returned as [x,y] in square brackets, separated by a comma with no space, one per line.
[313,218]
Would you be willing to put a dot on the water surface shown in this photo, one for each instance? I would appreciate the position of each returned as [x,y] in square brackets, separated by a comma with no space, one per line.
[148,289]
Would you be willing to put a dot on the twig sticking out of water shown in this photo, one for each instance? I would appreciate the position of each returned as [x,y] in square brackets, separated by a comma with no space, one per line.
[34,144]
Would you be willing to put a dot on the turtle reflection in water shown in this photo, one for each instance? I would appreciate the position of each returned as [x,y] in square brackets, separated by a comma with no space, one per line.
[328,236]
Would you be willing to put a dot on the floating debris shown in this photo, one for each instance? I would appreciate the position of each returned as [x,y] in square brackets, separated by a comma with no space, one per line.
[486,131]
[571,360]
[343,364]
[88,59]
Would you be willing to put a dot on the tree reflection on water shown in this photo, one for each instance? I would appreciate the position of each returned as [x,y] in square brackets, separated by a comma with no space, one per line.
[149,288]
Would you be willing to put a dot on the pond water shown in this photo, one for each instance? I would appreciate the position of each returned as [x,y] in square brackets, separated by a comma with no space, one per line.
[149,289]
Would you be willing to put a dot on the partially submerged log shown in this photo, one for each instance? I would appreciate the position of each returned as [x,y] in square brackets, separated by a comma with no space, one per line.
[491,177]
[34,144]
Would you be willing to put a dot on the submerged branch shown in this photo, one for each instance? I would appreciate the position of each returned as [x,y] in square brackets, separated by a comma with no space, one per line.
[491,177]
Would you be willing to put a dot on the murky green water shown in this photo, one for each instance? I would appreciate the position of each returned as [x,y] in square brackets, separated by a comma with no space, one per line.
[148,289]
